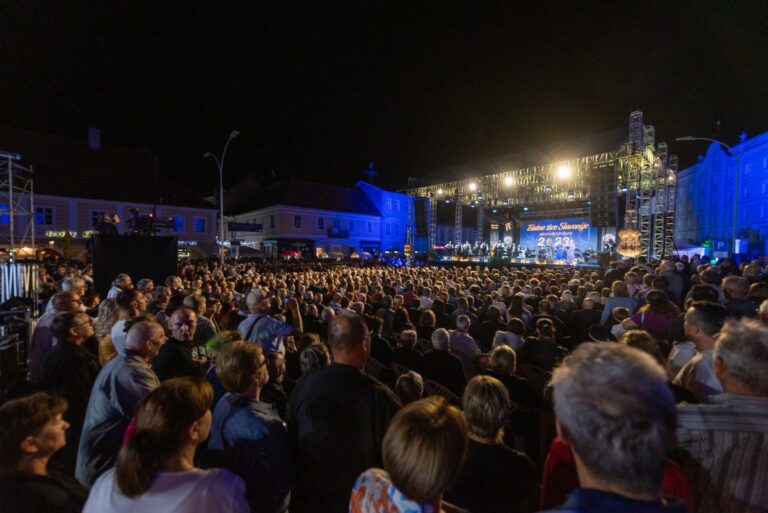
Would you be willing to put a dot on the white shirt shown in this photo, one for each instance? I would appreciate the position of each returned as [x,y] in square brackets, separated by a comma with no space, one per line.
[698,376]
[193,491]
[119,336]
[681,353]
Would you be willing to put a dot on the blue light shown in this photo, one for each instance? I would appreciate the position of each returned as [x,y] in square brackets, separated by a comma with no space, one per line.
[525,209]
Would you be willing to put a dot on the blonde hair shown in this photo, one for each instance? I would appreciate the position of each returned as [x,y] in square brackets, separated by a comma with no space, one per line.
[486,406]
[236,363]
[503,360]
[424,448]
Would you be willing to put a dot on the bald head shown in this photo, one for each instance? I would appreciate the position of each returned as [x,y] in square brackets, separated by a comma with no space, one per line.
[145,337]
[346,333]
[183,323]
[65,302]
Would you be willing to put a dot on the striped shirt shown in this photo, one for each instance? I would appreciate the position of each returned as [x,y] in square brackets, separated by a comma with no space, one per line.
[726,449]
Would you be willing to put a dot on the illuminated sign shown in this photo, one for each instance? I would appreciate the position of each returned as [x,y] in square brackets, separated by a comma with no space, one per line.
[53,234]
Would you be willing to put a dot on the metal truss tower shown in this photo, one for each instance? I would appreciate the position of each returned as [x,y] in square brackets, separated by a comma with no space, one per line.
[458,222]
[432,222]
[17,196]
[480,223]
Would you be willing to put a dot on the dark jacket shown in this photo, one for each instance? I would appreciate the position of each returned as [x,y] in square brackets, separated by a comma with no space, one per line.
[446,369]
[175,360]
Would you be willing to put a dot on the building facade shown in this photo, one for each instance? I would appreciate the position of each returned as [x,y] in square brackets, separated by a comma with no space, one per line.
[317,218]
[705,199]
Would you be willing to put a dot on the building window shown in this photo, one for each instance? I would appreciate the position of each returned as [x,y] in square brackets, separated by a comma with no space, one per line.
[337,224]
[387,229]
[388,205]
[297,221]
[397,205]
[272,222]
[369,228]
[96,217]
[5,215]
[200,225]
[396,228]
[321,223]
[351,226]
[44,216]
[178,224]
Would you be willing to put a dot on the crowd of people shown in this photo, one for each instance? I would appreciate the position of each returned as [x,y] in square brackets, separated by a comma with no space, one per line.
[370,388]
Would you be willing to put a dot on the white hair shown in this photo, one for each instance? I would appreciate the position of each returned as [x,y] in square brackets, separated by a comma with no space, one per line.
[327,314]
[743,346]
[617,413]
[440,338]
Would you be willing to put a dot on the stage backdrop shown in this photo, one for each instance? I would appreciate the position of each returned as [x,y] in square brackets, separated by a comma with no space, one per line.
[577,232]
[140,257]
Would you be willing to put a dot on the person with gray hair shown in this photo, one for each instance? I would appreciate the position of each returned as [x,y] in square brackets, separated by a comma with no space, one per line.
[442,366]
[463,345]
[726,442]
[615,411]
[119,387]
[737,300]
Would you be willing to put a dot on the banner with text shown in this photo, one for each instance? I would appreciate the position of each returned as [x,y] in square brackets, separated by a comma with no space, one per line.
[558,233]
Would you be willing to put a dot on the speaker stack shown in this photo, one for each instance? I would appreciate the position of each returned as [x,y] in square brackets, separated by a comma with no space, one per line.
[602,187]
[420,206]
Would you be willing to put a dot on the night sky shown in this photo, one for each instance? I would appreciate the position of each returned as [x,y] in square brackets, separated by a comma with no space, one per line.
[319,89]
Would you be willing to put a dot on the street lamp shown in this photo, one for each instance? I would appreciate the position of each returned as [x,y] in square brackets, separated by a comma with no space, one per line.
[220,166]
[736,186]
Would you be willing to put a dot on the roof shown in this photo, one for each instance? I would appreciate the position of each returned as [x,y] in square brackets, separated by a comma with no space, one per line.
[314,195]
[66,166]
[603,142]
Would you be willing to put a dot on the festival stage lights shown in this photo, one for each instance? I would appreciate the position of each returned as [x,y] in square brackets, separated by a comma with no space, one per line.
[508,181]
[564,172]
[472,186]
[439,192]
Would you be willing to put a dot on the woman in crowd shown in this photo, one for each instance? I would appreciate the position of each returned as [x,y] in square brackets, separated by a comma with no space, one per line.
[619,297]
[32,429]
[108,316]
[494,478]
[427,324]
[155,470]
[655,317]
[423,450]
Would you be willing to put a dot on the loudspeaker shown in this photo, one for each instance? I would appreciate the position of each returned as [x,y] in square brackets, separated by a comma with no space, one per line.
[602,189]
[420,212]
[139,257]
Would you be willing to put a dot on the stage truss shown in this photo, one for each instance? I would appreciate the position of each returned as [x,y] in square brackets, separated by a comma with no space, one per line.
[17,202]
[645,176]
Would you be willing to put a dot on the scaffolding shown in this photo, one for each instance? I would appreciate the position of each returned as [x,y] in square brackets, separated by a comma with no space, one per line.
[458,222]
[17,202]
[480,223]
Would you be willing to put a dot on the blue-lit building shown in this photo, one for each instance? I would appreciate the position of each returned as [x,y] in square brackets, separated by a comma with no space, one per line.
[705,199]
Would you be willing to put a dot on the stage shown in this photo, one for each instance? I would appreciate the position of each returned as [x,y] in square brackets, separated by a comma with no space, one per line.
[517,262]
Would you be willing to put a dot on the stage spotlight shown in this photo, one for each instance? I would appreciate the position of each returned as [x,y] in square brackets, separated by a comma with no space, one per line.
[571,195]
[509,181]
[439,192]
[525,209]
[548,188]
[494,210]
[564,172]
[472,186]
[623,189]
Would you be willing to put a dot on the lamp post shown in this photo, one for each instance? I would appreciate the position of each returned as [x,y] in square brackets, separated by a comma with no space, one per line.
[736,182]
[220,166]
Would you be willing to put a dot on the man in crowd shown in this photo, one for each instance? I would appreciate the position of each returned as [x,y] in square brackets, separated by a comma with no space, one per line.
[43,338]
[442,366]
[337,417]
[175,358]
[119,387]
[121,283]
[726,442]
[69,370]
[703,322]
[737,301]
[267,331]
[615,411]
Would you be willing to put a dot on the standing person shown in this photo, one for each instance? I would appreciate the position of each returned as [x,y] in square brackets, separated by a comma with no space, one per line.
[155,470]
[119,387]
[247,436]
[32,430]
[43,338]
[656,317]
[70,370]
[175,359]
[597,391]
[726,442]
[109,314]
[120,284]
[131,304]
[337,417]
[703,322]
[260,328]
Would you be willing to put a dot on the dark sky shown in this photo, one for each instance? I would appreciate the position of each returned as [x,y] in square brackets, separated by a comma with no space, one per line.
[318,89]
